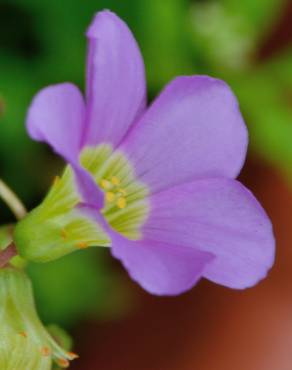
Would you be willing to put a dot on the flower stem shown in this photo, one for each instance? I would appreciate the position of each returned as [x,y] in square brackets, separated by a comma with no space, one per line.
[7,254]
[12,201]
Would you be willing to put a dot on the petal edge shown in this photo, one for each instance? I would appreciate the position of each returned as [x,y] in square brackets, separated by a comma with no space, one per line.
[160,268]
[219,216]
[194,129]
[116,88]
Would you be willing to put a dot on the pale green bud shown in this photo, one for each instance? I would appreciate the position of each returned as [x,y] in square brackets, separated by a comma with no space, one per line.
[25,344]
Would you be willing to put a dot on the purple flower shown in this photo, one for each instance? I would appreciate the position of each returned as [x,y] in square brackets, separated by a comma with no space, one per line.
[158,181]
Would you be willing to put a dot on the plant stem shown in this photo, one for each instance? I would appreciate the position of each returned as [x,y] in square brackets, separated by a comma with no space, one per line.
[7,254]
[12,201]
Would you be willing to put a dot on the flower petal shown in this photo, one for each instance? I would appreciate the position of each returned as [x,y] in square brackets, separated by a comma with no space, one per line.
[116,88]
[192,130]
[160,268]
[89,191]
[56,116]
[219,216]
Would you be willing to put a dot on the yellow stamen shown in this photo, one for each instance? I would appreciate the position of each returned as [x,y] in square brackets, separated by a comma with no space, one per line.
[121,202]
[23,334]
[105,184]
[63,362]
[46,351]
[115,181]
[73,355]
[82,245]
[109,196]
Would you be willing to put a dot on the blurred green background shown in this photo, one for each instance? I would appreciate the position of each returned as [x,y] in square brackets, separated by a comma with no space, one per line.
[43,42]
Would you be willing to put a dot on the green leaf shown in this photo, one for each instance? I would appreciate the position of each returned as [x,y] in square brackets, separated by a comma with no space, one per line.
[265,97]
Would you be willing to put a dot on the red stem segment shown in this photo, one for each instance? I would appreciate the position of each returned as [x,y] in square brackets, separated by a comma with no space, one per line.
[7,254]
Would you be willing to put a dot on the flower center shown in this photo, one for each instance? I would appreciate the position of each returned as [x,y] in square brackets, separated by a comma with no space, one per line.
[114,193]
[58,226]
[126,203]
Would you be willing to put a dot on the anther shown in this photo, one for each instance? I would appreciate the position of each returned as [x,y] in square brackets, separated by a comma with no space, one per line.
[115,181]
[121,202]
[82,245]
[109,196]
[72,355]
[46,351]
[105,184]
[63,362]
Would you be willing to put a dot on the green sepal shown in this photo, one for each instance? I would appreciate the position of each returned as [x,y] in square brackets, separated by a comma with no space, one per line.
[57,226]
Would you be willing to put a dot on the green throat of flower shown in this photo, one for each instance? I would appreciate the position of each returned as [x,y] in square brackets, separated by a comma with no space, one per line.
[57,226]
[126,206]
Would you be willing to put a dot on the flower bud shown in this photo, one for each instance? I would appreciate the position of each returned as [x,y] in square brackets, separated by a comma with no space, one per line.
[24,341]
